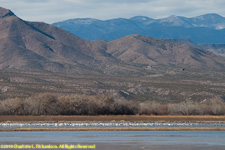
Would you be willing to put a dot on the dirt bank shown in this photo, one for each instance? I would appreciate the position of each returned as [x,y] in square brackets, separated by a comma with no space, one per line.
[119,118]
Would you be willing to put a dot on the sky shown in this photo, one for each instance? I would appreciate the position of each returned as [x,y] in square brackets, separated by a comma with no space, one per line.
[51,11]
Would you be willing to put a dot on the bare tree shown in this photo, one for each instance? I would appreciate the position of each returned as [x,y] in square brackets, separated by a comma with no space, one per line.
[12,106]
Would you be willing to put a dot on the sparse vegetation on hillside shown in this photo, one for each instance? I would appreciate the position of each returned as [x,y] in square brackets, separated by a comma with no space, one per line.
[40,58]
[49,104]
[33,46]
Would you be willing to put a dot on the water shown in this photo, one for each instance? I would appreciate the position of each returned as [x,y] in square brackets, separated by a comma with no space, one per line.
[124,139]
[108,124]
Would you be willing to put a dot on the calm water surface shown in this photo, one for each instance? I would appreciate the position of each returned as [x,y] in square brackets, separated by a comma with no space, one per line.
[124,139]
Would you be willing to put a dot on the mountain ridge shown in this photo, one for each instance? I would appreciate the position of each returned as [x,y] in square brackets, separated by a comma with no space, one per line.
[42,47]
[208,28]
[5,12]
[154,51]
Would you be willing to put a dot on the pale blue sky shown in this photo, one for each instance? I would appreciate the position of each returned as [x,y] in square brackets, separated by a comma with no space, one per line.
[58,10]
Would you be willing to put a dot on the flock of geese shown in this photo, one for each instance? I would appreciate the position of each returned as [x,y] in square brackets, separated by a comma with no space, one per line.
[106,124]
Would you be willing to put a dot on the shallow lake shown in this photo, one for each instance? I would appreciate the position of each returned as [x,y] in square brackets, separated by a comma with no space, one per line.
[123,140]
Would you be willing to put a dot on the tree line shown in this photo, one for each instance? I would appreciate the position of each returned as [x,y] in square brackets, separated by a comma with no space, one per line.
[50,104]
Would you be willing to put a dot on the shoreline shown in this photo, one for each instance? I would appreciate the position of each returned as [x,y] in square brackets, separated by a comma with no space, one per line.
[112,118]
[114,129]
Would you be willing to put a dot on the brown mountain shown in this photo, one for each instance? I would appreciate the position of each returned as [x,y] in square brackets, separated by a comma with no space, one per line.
[26,45]
[217,48]
[39,46]
[145,50]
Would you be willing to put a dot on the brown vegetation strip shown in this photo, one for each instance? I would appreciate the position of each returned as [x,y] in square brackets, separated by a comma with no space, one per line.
[114,129]
[51,104]
[113,118]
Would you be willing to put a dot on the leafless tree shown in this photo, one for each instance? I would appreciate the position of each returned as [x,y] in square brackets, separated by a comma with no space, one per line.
[12,106]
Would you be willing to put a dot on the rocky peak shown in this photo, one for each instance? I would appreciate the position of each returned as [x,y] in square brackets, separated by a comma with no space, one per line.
[5,13]
[212,16]
[173,21]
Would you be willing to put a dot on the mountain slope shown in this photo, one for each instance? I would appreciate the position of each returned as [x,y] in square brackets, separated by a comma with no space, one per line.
[39,46]
[218,49]
[145,50]
[92,29]
[209,28]
[36,46]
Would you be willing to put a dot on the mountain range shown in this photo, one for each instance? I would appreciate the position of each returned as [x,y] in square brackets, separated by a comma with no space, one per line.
[36,57]
[39,46]
[208,28]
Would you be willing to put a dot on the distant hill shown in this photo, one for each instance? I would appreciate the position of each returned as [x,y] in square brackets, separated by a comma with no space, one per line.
[43,47]
[209,28]
[145,50]
[216,48]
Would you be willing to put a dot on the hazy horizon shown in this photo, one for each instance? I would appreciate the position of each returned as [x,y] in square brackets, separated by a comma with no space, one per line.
[51,11]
